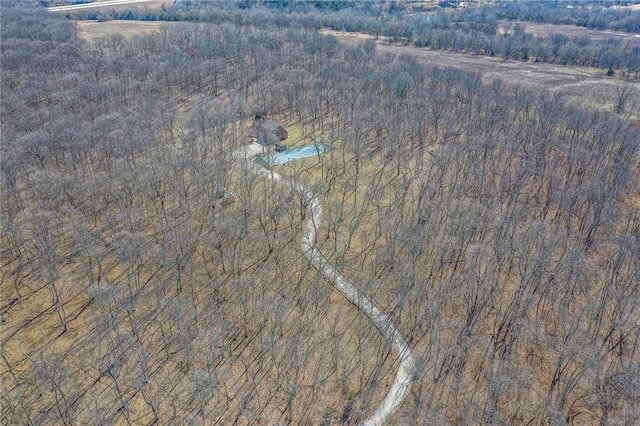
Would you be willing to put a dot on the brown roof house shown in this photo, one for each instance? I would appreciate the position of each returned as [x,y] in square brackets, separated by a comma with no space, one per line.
[268,132]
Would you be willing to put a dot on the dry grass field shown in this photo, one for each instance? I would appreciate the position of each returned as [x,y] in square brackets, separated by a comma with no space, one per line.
[584,87]
[92,30]
[545,30]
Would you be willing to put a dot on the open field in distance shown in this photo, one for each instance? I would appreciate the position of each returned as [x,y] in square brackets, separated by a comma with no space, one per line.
[581,86]
[545,30]
[92,30]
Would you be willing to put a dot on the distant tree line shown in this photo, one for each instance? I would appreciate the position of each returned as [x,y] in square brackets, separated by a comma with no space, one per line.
[479,31]
[599,15]
[498,227]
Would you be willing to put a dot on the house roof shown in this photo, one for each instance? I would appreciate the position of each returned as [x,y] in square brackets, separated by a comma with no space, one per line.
[269,125]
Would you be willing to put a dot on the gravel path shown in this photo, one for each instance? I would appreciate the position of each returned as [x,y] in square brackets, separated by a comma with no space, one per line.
[402,383]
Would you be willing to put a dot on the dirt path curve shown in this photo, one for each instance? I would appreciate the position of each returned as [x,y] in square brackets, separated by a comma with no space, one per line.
[402,383]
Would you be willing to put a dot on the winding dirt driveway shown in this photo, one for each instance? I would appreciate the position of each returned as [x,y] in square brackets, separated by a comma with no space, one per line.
[402,383]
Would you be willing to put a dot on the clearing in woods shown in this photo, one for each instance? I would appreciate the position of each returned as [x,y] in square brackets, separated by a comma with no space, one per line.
[583,87]
[92,30]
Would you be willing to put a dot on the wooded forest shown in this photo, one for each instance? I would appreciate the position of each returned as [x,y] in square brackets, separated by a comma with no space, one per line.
[498,228]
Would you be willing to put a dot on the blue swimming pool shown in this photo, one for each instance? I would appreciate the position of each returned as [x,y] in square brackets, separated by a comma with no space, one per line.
[291,155]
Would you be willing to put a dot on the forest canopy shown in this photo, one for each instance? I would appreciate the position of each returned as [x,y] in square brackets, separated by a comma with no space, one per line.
[497,227]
